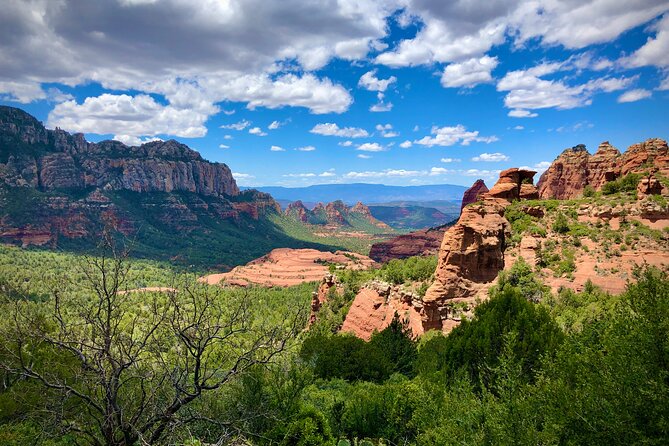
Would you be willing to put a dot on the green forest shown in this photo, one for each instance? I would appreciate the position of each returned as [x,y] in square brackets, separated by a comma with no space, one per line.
[86,360]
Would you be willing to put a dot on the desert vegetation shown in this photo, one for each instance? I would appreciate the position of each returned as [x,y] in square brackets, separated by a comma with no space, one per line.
[84,363]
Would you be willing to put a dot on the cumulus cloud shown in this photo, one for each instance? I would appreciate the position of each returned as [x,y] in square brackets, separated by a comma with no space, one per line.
[381,106]
[450,160]
[656,49]
[371,147]
[223,146]
[406,144]
[243,179]
[125,115]
[634,95]
[491,157]
[364,156]
[386,130]
[370,82]
[306,149]
[517,113]
[347,143]
[529,90]
[440,171]
[274,125]
[277,149]
[332,129]
[469,73]
[257,131]
[448,136]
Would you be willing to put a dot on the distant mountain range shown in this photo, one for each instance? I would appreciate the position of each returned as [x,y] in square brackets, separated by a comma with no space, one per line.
[365,193]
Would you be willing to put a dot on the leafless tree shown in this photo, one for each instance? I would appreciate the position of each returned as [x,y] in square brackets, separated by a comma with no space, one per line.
[128,366]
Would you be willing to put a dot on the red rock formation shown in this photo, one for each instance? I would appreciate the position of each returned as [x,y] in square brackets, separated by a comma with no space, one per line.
[417,243]
[289,267]
[374,307]
[474,193]
[298,211]
[472,251]
[575,168]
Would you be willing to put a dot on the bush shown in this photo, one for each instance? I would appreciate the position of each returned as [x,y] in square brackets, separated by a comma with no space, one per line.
[561,224]
[628,183]
[475,346]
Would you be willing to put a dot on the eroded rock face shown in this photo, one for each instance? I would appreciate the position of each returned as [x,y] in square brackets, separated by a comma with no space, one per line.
[575,168]
[474,193]
[472,251]
[75,188]
[58,160]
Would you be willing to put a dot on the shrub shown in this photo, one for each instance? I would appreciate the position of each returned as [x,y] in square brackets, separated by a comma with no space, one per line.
[561,224]
[628,183]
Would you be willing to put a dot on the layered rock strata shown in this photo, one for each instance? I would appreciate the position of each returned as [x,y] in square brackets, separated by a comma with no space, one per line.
[575,168]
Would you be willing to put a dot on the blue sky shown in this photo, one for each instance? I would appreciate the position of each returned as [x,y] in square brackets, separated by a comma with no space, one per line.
[307,92]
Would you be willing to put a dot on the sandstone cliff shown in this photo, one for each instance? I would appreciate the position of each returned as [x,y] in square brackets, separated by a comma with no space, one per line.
[575,168]
[59,190]
[57,160]
[418,243]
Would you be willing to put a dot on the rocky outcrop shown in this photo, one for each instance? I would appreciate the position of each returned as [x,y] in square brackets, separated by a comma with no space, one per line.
[298,211]
[289,267]
[418,243]
[56,186]
[375,306]
[472,251]
[334,214]
[575,168]
[474,193]
[31,155]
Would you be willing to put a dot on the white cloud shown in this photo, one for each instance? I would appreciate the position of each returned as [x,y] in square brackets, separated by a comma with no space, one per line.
[634,95]
[386,130]
[274,125]
[241,125]
[127,116]
[388,173]
[305,149]
[517,113]
[406,144]
[440,171]
[347,143]
[370,82]
[328,173]
[519,127]
[381,106]
[664,84]
[242,179]
[527,90]
[491,157]
[228,112]
[656,50]
[27,92]
[331,129]
[300,175]
[257,131]
[450,160]
[371,147]
[223,146]
[227,136]
[469,73]
[480,173]
[364,156]
[448,136]
[277,149]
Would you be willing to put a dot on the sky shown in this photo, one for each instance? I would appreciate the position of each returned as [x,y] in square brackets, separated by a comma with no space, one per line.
[298,92]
